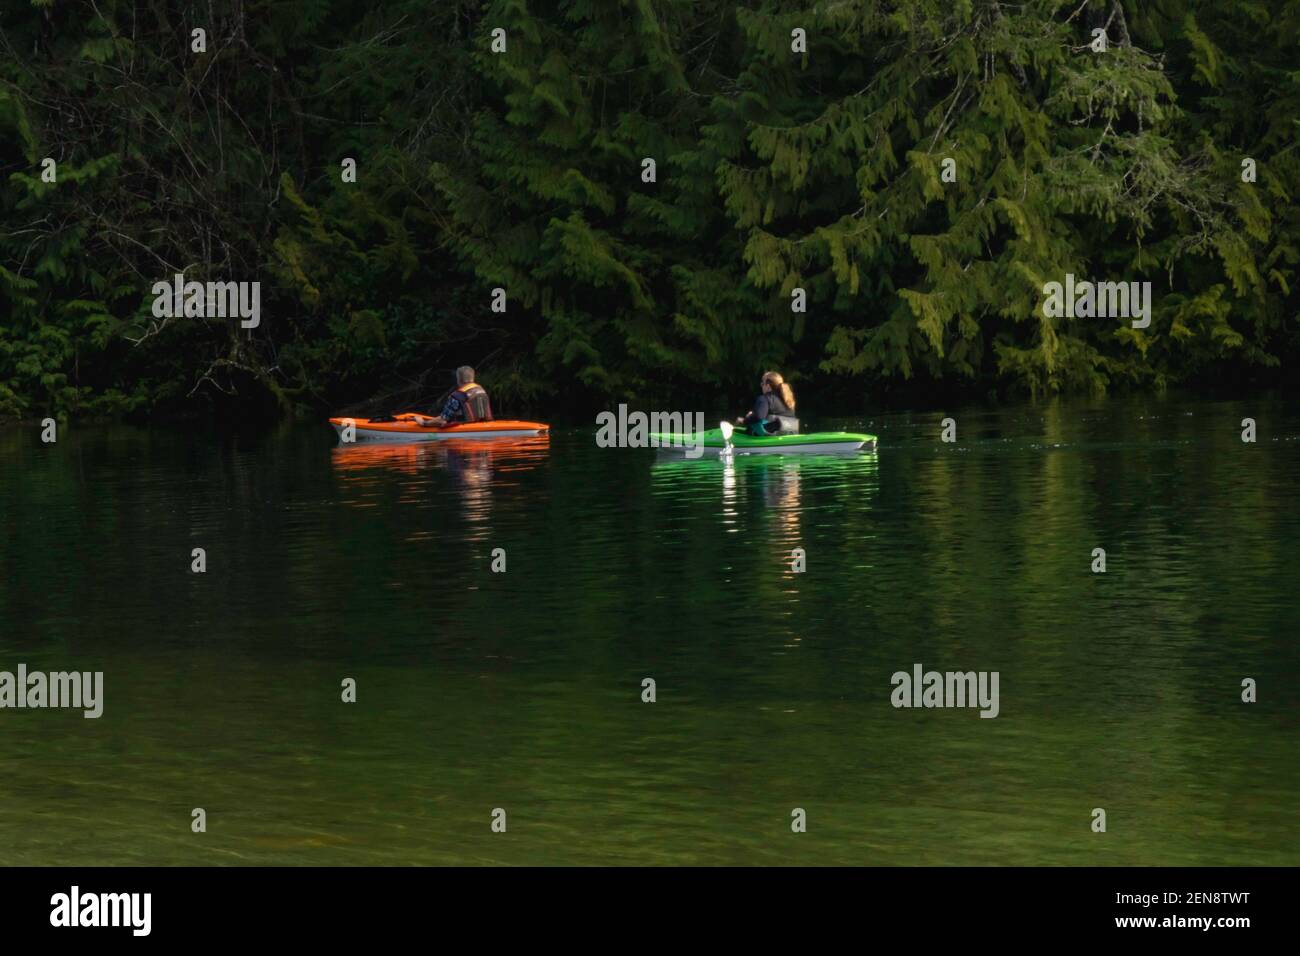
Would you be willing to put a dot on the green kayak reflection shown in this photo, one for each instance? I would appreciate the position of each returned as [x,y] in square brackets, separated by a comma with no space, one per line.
[795,499]
[770,480]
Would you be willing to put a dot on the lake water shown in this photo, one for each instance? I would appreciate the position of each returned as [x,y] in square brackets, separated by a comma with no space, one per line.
[522,690]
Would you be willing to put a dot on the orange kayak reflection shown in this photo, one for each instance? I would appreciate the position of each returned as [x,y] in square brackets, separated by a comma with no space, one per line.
[370,474]
[456,454]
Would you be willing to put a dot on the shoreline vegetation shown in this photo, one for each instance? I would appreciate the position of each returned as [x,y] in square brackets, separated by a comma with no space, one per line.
[650,204]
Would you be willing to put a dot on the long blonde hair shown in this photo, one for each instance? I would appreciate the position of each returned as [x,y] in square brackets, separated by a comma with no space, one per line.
[780,387]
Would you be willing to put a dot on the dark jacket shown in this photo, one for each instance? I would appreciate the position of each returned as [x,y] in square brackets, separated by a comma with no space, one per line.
[769,409]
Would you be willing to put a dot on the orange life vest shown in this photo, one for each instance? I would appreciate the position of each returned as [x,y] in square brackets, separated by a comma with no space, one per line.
[474,399]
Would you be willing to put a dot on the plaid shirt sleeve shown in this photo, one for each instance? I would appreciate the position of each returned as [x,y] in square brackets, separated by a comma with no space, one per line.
[452,410]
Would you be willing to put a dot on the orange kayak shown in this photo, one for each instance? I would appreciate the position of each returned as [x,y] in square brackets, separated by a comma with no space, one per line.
[408,426]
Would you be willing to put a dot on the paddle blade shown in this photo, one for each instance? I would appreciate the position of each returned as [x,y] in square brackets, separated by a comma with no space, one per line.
[727,429]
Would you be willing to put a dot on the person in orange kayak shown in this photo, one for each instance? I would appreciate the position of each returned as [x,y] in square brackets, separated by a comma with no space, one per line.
[468,403]
[773,411]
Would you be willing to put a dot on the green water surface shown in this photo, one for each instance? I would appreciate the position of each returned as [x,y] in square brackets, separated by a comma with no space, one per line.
[522,690]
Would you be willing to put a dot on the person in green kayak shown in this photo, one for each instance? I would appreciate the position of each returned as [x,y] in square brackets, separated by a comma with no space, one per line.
[773,411]
[467,403]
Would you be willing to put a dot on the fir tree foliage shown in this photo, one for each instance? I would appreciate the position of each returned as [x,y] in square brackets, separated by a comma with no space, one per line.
[921,171]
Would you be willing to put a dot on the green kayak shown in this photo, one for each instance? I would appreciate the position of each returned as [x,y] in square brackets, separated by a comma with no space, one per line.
[810,443]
